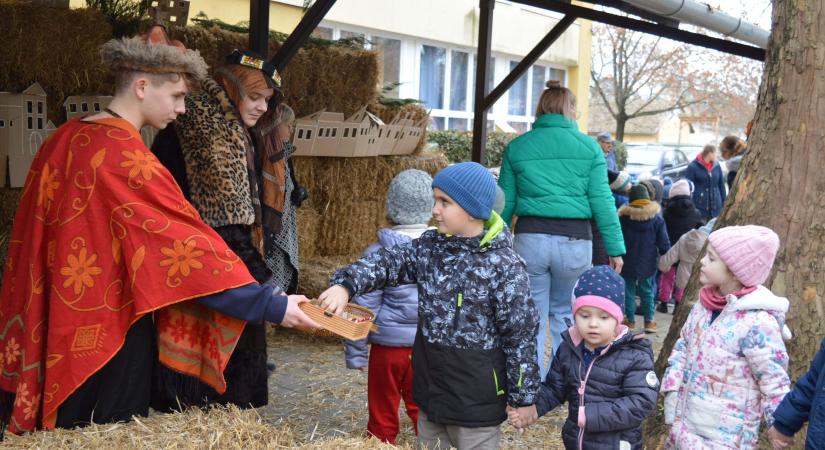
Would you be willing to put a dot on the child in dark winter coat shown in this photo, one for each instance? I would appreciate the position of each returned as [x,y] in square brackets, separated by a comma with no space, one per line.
[602,370]
[409,208]
[474,353]
[680,216]
[645,239]
[805,403]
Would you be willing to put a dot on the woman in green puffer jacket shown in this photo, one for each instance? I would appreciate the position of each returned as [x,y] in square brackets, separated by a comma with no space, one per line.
[554,180]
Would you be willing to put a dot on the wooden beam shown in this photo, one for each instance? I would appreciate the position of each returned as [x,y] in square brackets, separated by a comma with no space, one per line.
[259,27]
[528,60]
[485,34]
[630,23]
[300,34]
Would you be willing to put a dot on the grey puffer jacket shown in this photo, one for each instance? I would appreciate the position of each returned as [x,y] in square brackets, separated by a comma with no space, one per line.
[396,308]
[620,390]
[475,349]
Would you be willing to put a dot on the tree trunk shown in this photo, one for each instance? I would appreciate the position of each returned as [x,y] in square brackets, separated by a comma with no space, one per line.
[620,123]
[780,185]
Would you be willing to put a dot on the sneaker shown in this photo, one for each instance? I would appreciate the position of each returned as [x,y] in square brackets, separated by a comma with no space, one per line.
[662,307]
[650,327]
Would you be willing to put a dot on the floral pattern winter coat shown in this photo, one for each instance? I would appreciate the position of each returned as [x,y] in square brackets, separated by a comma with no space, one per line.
[729,373]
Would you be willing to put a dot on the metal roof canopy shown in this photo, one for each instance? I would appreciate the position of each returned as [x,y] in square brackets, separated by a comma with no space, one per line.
[648,22]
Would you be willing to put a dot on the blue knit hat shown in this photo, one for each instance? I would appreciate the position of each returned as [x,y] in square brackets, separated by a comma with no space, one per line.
[470,185]
[603,288]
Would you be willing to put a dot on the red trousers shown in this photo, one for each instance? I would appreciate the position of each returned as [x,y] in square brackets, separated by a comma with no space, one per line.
[389,379]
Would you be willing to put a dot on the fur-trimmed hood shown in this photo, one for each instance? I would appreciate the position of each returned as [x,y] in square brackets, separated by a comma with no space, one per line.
[640,213]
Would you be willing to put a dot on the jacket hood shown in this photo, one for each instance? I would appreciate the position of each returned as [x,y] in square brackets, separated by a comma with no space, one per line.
[402,234]
[763,299]
[694,240]
[680,205]
[646,212]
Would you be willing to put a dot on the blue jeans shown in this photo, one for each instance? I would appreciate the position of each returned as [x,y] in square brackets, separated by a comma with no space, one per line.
[554,264]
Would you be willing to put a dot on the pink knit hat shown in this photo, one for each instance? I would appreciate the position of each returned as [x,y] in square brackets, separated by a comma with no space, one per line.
[681,187]
[748,251]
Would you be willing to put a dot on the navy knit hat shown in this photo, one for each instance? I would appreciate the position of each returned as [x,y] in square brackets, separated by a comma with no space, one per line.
[601,287]
[470,185]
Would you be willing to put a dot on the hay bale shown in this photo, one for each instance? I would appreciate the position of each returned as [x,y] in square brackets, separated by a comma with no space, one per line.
[336,180]
[347,227]
[219,427]
[308,220]
[316,272]
[58,48]
[9,199]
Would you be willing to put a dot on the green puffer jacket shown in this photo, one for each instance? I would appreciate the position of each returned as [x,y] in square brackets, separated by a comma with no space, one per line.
[558,172]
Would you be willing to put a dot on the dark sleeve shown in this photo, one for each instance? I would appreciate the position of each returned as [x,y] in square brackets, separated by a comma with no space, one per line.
[391,266]
[252,302]
[239,239]
[517,324]
[639,392]
[553,391]
[167,150]
[795,408]
[662,239]
[721,184]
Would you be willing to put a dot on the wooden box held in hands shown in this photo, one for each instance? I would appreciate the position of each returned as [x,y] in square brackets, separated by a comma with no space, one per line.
[354,323]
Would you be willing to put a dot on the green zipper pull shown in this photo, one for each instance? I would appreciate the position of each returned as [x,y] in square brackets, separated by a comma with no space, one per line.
[499,391]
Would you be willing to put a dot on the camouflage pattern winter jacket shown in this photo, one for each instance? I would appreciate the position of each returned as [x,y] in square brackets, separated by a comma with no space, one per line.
[475,350]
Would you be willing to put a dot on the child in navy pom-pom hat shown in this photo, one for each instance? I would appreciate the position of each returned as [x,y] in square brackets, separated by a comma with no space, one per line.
[602,370]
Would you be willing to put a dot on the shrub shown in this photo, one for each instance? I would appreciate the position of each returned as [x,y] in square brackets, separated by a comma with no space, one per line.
[457,145]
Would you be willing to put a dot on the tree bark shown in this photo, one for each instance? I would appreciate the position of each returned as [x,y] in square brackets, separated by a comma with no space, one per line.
[620,124]
[780,185]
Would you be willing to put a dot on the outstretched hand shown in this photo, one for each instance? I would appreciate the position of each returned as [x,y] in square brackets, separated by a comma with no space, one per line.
[334,299]
[295,316]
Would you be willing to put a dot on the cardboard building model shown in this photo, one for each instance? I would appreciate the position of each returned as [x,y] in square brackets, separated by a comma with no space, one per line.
[169,12]
[362,134]
[77,105]
[23,128]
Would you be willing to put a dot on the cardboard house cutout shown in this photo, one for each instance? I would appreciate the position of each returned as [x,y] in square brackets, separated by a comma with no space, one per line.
[78,105]
[169,12]
[362,134]
[23,128]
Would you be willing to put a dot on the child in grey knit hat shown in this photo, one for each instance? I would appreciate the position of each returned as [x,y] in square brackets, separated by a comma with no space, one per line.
[409,209]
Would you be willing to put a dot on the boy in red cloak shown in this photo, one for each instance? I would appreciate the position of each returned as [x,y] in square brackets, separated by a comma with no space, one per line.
[111,270]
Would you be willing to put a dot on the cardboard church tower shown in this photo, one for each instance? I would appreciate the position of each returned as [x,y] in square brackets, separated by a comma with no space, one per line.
[23,128]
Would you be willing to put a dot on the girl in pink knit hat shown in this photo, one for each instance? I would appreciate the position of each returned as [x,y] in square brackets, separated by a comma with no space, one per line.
[729,367]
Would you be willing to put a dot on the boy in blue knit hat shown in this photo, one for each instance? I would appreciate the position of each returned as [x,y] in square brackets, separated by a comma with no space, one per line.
[474,354]
[602,370]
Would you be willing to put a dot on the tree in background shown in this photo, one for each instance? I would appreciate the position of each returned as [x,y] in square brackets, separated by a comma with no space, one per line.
[780,185]
[636,75]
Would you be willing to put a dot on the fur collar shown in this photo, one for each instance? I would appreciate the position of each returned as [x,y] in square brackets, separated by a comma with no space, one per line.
[646,212]
[215,92]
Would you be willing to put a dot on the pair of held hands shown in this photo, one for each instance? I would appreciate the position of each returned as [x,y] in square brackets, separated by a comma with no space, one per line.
[778,440]
[333,300]
[522,417]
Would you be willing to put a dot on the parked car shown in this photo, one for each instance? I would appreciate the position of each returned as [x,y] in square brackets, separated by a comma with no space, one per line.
[648,160]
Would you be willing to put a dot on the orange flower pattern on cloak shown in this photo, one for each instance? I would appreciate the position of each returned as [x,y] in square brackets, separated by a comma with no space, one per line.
[140,163]
[80,271]
[48,184]
[182,257]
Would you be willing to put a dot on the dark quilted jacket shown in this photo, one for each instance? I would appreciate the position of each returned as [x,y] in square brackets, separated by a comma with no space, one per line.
[475,349]
[619,391]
